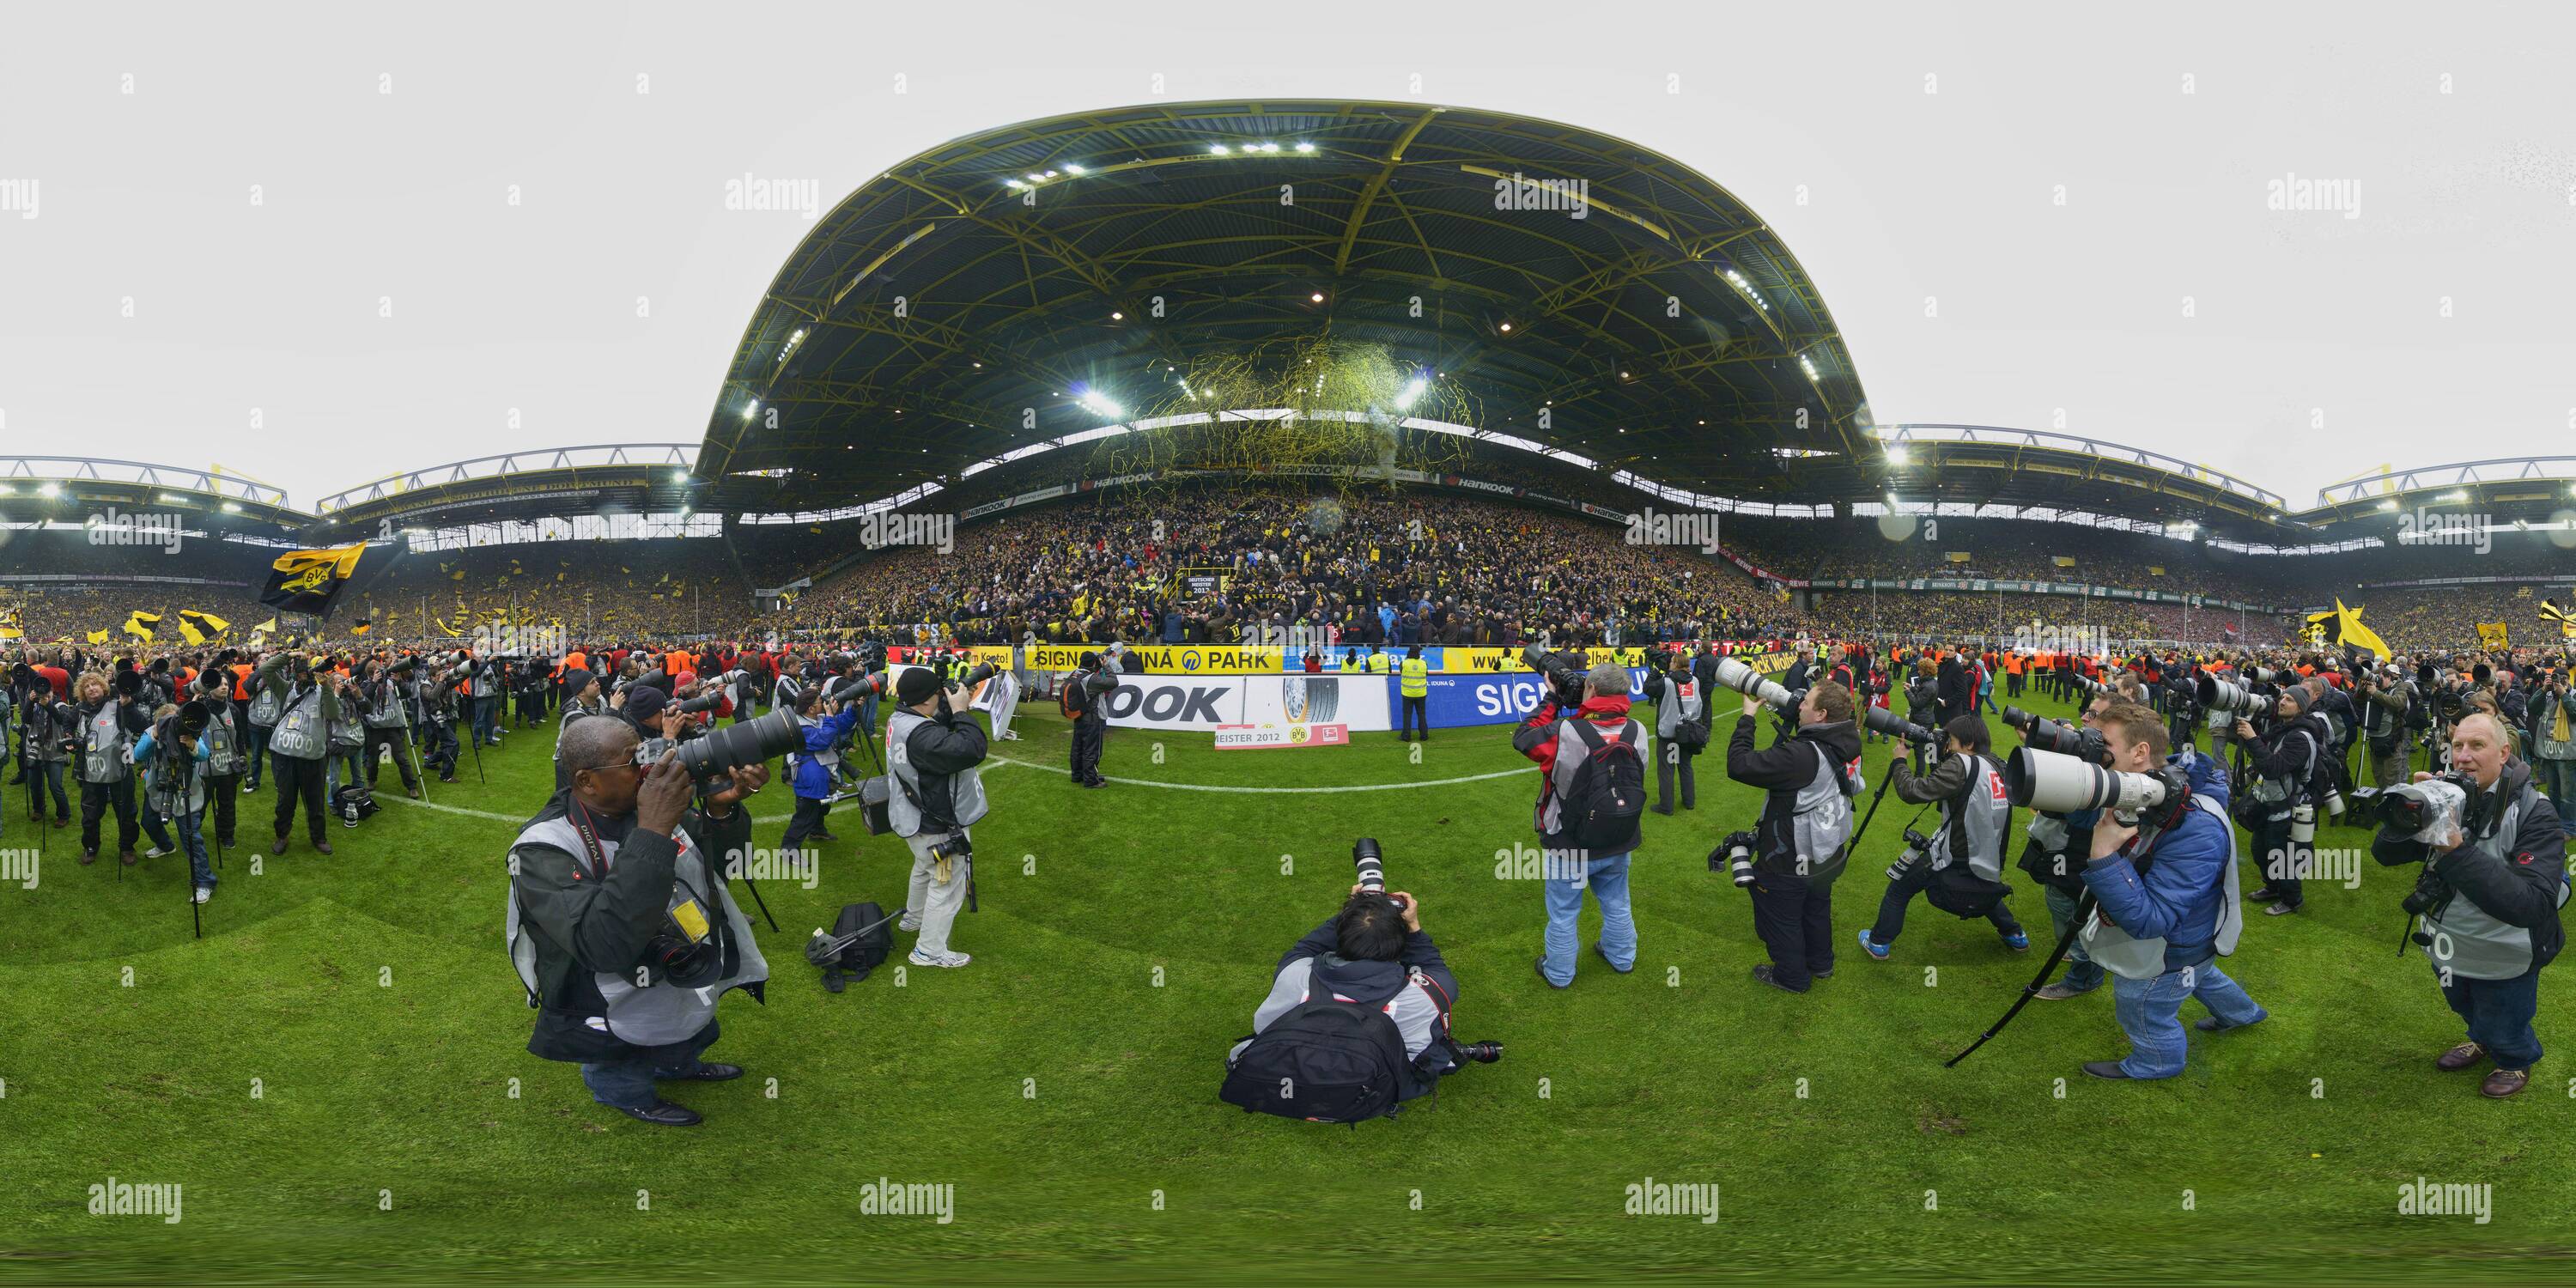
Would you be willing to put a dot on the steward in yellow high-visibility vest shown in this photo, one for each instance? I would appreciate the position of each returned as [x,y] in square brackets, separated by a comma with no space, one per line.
[1415,686]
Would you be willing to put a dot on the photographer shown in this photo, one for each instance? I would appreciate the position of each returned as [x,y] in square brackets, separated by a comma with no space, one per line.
[2333,707]
[348,735]
[175,763]
[931,753]
[41,739]
[2553,744]
[1588,840]
[2285,760]
[1681,729]
[483,686]
[101,743]
[581,700]
[1373,956]
[2060,844]
[384,698]
[1922,706]
[1969,787]
[227,754]
[2387,701]
[2495,875]
[822,725]
[2169,897]
[1810,776]
[306,706]
[617,880]
[436,697]
[1082,702]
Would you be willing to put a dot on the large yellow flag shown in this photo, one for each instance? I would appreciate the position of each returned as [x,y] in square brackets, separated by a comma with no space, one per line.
[2493,635]
[306,581]
[96,637]
[142,624]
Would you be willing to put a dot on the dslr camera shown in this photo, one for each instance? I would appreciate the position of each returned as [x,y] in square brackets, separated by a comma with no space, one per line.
[2429,810]
[2058,737]
[1743,679]
[1734,856]
[1564,672]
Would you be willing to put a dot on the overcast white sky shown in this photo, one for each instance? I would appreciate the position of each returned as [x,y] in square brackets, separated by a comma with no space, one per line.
[2434,326]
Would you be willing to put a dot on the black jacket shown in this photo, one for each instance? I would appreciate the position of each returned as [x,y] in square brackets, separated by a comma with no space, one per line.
[2519,890]
[1952,687]
[582,925]
[1782,770]
[941,748]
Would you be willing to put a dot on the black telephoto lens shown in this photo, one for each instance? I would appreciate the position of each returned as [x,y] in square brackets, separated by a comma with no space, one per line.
[747,743]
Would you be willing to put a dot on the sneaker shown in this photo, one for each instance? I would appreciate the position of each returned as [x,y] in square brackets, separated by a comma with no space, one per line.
[2061,990]
[1877,951]
[156,851]
[2213,1024]
[909,924]
[1762,974]
[88,857]
[2281,909]
[1604,955]
[947,960]
[663,1114]
[204,893]
[1540,962]
[2105,1069]
[2264,894]
[2018,941]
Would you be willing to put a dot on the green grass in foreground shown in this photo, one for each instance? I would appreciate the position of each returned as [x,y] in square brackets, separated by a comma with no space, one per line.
[1065,1083]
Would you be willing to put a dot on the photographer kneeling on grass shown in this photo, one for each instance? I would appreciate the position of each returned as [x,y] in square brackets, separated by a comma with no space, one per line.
[620,923]
[1966,855]
[2494,877]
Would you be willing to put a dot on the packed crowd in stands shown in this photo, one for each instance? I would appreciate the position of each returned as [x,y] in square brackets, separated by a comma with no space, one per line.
[670,586]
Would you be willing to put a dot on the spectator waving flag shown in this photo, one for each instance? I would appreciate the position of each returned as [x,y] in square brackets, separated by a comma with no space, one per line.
[2551,612]
[306,581]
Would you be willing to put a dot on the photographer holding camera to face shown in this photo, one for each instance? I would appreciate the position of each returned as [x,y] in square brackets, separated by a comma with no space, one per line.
[2487,900]
[2061,843]
[1358,1017]
[1794,853]
[2287,763]
[385,700]
[2387,703]
[931,753]
[2163,870]
[2553,742]
[307,702]
[1960,866]
[101,727]
[1592,795]
[621,925]
[1681,728]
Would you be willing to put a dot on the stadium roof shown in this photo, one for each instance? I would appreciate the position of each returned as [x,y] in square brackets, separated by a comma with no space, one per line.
[76,489]
[2526,489]
[937,311]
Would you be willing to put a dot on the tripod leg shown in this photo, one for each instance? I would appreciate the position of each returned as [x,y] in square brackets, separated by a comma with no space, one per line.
[763,903]
[2074,927]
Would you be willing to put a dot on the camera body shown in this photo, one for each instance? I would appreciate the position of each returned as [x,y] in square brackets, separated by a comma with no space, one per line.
[2429,810]
[2058,737]
[1564,672]
[1917,846]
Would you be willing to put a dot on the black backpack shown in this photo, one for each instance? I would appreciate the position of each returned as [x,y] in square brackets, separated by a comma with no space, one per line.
[1608,798]
[869,933]
[353,802]
[1326,1061]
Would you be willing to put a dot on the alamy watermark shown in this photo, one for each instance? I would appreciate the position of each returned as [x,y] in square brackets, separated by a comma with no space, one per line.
[114,527]
[2421,1197]
[2422,527]
[1653,527]
[794,196]
[19,866]
[879,529]
[1652,1197]
[1572,197]
[2044,637]
[2335,196]
[118,1198]
[885,1197]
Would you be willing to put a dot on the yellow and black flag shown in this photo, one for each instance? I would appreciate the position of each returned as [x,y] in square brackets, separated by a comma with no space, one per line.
[96,637]
[2343,626]
[10,626]
[2494,635]
[199,627]
[306,581]
[2551,612]
[142,625]
[361,626]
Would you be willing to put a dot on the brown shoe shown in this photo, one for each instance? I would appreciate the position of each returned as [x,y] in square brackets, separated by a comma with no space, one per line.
[2504,1082]
[88,857]
[2460,1057]
[323,846]
[412,792]
[125,857]
[279,847]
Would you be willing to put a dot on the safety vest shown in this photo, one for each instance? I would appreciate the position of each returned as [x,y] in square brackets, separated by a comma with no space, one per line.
[638,1014]
[1977,816]
[1416,682]
[175,788]
[103,758]
[965,789]
[300,734]
[225,742]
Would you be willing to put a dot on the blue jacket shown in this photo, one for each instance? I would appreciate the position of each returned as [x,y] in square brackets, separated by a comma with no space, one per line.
[813,778]
[2177,898]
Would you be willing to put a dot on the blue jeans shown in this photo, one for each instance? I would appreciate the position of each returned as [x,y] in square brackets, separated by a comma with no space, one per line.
[2499,1014]
[487,711]
[258,749]
[2556,780]
[1607,878]
[2150,1012]
[2083,974]
[628,1083]
[191,829]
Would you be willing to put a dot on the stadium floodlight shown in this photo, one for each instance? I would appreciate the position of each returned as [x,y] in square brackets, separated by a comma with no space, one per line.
[1898,455]
[1219,149]
[1507,326]
[1071,168]
[232,507]
[1411,393]
[50,490]
[751,409]
[679,477]
[1305,147]
[1317,297]
[1101,403]
[1269,147]
[2455,495]
[2388,505]
[1037,178]
[1014,184]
